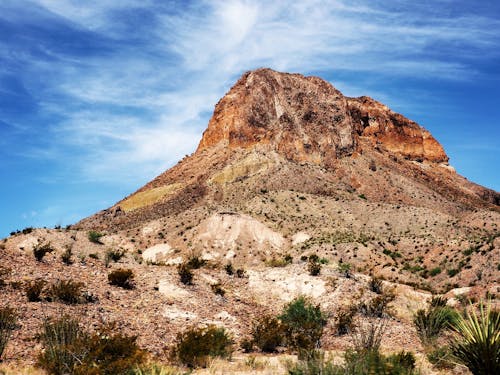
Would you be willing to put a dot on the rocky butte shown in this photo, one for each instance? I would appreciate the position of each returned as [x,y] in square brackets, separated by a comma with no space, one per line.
[288,170]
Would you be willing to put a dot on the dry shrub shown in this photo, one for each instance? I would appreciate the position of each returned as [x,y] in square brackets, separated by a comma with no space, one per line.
[267,333]
[122,277]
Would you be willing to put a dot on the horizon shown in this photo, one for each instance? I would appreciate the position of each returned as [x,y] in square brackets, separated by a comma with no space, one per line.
[98,99]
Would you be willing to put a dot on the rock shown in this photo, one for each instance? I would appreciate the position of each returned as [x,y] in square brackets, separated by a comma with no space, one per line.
[157,253]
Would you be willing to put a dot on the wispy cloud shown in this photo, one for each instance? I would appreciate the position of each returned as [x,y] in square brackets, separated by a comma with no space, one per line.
[140,100]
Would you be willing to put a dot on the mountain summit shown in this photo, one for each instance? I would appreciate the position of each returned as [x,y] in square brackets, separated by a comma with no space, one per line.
[289,132]
[306,119]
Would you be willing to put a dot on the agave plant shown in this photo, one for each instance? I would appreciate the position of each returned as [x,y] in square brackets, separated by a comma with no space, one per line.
[477,344]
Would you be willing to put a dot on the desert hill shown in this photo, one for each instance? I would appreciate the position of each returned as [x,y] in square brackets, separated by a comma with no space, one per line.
[288,170]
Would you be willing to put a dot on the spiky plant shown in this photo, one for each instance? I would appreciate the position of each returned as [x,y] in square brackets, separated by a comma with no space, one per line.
[477,343]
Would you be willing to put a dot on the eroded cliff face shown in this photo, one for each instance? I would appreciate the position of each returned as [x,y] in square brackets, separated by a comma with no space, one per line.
[307,119]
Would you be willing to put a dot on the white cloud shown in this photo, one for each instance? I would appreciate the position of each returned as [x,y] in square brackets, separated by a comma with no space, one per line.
[147,110]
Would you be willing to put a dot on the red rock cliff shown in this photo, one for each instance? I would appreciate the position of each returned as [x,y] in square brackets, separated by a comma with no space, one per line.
[307,119]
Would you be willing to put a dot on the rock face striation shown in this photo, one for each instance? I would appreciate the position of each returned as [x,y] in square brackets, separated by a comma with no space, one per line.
[306,119]
[283,132]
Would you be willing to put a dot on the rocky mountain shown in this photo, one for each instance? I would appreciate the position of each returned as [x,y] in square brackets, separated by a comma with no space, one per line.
[288,168]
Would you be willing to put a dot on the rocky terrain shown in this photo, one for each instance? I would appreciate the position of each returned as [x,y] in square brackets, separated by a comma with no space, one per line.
[287,168]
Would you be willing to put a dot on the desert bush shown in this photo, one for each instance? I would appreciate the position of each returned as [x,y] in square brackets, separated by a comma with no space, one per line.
[441,357]
[477,340]
[240,273]
[314,363]
[69,349]
[431,322]
[345,269]
[367,337]
[8,318]
[376,285]
[373,362]
[435,271]
[303,324]
[438,301]
[229,269]
[279,262]
[66,291]
[314,268]
[217,289]
[34,289]
[66,256]
[377,307]
[185,274]
[113,255]
[344,321]
[196,346]
[41,249]
[95,237]
[267,333]
[4,273]
[61,339]
[121,277]
[194,262]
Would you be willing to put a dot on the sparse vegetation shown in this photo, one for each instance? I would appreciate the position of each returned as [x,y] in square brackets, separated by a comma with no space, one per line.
[314,268]
[217,289]
[41,249]
[267,333]
[344,321]
[95,237]
[8,318]
[122,278]
[185,274]
[432,321]
[34,289]
[69,349]
[378,306]
[477,340]
[303,324]
[196,346]
[376,285]
[345,269]
[113,255]
[66,256]
[66,291]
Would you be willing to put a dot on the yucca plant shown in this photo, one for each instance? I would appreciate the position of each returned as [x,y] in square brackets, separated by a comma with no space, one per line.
[477,343]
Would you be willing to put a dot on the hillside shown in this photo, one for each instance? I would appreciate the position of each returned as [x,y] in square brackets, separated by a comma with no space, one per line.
[288,170]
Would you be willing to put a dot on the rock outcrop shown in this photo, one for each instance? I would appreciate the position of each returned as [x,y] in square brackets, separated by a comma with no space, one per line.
[307,119]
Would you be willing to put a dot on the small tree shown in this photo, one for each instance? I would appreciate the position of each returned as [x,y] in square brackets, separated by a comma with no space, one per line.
[303,324]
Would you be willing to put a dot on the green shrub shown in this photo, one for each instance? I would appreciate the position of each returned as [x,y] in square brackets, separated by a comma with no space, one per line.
[8,318]
[34,289]
[66,291]
[435,271]
[121,277]
[113,255]
[345,269]
[314,363]
[373,362]
[41,249]
[95,237]
[452,272]
[431,322]
[69,349]
[196,346]
[185,274]
[267,333]
[61,338]
[441,357]
[477,341]
[303,324]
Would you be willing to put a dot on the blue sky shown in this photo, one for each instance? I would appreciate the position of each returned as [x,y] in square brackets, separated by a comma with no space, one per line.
[97,97]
